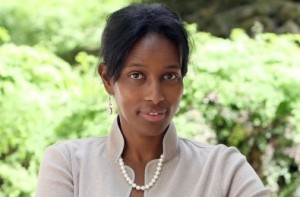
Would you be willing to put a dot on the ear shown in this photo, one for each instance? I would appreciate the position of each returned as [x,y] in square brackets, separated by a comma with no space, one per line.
[108,83]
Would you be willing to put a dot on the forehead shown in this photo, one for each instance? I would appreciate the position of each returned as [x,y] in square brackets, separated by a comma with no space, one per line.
[154,49]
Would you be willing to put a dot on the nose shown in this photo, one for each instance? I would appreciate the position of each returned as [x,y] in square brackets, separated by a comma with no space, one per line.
[154,92]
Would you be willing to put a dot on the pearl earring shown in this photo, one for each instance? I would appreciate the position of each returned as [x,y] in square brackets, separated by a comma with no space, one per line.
[109,108]
[177,110]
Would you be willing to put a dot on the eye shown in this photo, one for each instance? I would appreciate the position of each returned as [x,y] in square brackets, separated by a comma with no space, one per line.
[170,76]
[136,75]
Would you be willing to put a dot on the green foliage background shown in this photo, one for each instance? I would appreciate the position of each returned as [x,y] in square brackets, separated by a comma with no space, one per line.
[239,91]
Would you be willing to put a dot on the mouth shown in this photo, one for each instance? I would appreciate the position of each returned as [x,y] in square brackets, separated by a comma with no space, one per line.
[154,116]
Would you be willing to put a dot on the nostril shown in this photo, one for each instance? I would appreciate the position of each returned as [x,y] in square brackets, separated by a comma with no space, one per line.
[154,92]
[155,97]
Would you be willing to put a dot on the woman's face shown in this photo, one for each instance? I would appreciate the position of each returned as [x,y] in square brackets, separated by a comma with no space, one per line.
[150,86]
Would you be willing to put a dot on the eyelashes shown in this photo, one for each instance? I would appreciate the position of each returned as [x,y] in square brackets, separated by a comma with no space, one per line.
[170,76]
[136,75]
[167,76]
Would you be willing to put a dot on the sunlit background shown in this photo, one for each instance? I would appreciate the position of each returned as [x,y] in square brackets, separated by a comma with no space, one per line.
[242,89]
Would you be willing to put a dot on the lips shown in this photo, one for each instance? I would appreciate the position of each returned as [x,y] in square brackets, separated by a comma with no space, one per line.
[154,116]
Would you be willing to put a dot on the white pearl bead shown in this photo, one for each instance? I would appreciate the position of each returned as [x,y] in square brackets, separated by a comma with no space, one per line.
[142,187]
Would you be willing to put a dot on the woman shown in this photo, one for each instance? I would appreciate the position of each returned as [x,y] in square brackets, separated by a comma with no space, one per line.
[145,55]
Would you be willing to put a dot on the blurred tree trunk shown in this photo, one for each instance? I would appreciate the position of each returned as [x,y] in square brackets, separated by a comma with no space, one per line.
[220,16]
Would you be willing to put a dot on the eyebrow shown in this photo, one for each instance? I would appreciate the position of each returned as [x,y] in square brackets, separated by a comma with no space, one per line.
[171,66]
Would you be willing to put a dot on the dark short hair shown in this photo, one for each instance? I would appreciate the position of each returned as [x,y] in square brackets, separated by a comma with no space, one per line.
[127,25]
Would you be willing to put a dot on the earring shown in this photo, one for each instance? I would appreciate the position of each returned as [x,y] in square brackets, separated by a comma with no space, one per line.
[109,109]
[177,110]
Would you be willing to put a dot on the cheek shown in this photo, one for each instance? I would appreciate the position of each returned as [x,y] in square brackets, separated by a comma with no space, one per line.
[175,94]
[179,90]
[124,97]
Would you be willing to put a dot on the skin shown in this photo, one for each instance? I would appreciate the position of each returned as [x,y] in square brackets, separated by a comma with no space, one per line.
[147,95]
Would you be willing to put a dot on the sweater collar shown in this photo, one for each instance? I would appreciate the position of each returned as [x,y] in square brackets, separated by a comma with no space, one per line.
[116,143]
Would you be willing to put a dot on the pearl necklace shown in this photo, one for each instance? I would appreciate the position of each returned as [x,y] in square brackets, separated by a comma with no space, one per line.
[142,187]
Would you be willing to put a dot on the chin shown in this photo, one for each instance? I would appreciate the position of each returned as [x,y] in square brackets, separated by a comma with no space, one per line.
[156,129]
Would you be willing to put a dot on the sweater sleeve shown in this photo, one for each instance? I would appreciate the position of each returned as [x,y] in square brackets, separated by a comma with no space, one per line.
[237,177]
[55,175]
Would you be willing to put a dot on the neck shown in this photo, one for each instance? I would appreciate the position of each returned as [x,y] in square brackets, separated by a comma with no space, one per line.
[142,149]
